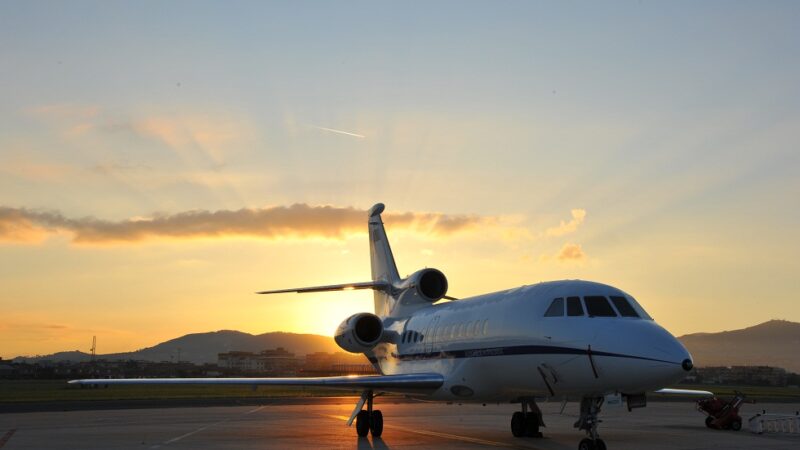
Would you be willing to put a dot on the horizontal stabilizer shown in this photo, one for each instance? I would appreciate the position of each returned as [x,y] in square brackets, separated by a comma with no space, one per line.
[377,285]
[689,392]
[400,383]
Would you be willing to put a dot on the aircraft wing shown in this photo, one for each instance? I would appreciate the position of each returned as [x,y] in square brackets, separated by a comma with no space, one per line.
[377,285]
[389,383]
[689,392]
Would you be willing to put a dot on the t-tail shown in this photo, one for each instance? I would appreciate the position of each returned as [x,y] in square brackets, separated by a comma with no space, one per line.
[384,269]
[394,296]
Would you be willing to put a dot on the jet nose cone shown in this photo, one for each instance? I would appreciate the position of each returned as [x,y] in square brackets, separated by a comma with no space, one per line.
[687,364]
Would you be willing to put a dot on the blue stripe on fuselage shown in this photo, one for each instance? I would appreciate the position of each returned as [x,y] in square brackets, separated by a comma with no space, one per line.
[515,350]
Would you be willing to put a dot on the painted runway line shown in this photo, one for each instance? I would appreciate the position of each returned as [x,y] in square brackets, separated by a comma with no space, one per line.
[203,428]
[453,437]
[7,436]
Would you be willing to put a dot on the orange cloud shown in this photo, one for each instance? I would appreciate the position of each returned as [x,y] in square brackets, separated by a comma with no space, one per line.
[578,216]
[188,134]
[16,226]
[571,252]
[297,221]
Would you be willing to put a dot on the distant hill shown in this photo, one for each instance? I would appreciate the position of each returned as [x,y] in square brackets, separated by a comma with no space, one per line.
[774,343]
[202,348]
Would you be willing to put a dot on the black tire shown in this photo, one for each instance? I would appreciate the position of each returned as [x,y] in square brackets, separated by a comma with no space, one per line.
[587,444]
[518,424]
[362,423]
[736,425]
[709,420]
[599,444]
[532,425]
[376,423]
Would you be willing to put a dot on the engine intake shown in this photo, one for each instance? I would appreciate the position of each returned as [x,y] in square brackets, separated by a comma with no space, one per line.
[359,333]
[429,284]
[432,284]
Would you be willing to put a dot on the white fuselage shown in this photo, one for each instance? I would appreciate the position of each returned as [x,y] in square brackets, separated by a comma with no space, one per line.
[501,347]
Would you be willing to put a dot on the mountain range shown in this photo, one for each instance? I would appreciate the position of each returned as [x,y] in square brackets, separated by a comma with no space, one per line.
[200,348]
[772,343]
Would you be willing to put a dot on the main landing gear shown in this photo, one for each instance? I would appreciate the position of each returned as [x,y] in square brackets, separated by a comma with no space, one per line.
[590,408]
[526,423]
[369,421]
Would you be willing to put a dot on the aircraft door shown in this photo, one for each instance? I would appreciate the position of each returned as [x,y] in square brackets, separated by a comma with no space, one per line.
[430,334]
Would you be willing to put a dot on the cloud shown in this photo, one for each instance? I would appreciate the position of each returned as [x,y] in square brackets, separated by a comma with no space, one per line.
[578,216]
[17,226]
[196,137]
[189,134]
[571,252]
[295,221]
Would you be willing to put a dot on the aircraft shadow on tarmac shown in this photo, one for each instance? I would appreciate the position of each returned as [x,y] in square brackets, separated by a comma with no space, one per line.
[367,444]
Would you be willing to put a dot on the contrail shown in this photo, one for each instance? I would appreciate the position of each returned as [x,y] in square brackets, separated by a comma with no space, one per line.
[360,136]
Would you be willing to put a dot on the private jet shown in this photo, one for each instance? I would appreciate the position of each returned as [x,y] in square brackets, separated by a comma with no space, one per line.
[550,340]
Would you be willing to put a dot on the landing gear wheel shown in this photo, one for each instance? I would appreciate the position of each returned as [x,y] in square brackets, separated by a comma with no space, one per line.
[587,444]
[376,423]
[736,425]
[532,425]
[709,419]
[362,423]
[518,424]
[599,444]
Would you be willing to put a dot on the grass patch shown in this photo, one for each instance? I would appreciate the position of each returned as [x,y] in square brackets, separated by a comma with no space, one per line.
[58,390]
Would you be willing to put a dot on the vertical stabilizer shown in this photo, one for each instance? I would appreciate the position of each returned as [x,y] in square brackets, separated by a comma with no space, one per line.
[381,259]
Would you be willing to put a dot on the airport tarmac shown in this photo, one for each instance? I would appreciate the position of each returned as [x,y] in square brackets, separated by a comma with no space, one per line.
[320,423]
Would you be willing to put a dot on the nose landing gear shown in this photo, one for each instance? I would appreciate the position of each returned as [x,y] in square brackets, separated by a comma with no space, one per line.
[526,423]
[590,408]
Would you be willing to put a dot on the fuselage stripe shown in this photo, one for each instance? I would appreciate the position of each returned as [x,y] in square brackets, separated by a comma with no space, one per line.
[515,350]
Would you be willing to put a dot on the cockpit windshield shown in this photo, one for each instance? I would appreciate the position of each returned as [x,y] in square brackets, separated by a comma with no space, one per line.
[595,306]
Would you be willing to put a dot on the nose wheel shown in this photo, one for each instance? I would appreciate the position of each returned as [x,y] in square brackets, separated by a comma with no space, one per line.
[588,421]
[588,444]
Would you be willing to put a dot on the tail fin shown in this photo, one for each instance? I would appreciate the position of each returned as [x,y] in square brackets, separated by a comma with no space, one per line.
[382,260]
[384,271]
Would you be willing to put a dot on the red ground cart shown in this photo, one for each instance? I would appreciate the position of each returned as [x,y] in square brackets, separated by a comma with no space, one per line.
[722,415]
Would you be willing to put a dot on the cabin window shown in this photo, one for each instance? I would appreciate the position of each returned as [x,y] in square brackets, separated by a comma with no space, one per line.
[485,327]
[574,306]
[405,335]
[625,309]
[556,308]
[598,306]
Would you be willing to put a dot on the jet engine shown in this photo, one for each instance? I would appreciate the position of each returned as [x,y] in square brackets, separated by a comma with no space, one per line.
[429,284]
[359,333]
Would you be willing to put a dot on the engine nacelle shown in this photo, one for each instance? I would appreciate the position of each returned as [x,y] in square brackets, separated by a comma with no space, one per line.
[359,333]
[429,284]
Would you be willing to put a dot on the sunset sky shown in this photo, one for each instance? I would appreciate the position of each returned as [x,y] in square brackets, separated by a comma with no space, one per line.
[161,161]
